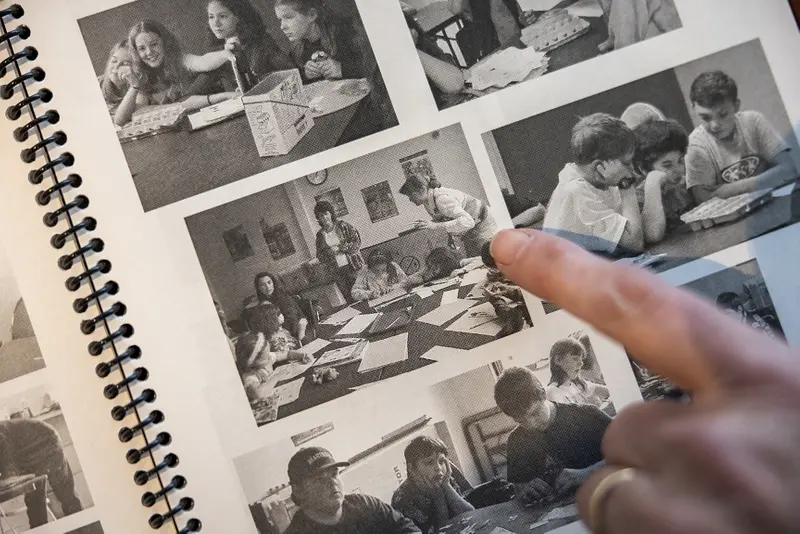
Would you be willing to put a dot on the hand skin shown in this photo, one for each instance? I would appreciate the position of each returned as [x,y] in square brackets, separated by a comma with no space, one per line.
[729,461]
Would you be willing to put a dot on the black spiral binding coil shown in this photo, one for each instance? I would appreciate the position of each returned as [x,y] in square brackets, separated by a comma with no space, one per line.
[82,254]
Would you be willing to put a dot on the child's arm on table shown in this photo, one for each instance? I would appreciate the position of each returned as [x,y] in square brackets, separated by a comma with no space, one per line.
[783,171]
[632,237]
[653,218]
[206,62]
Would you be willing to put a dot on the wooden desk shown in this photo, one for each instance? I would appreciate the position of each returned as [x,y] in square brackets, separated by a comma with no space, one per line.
[511,515]
[172,166]
[683,247]
[421,338]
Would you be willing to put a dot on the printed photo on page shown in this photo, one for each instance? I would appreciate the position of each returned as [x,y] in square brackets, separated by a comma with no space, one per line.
[356,274]
[661,171]
[502,446]
[471,48]
[262,82]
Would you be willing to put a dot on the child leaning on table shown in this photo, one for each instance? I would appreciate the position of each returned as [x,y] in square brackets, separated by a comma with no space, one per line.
[594,204]
[732,152]
[660,155]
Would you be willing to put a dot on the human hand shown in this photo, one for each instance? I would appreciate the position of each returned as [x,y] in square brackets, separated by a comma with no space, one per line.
[313,70]
[536,490]
[127,74]
[424,225]
[232,44]
[727,462]
[331,69]
[568,481]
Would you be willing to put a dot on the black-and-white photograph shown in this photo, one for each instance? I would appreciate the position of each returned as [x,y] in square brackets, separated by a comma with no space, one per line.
[394,285]
[93,528]
[19,350]
[495,447]
[260,82]
[661,171]
[41,479]
[471,48]
[739,291]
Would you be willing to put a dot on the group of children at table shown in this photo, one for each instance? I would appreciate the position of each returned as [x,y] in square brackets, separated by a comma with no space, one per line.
[630,183]
[148,67]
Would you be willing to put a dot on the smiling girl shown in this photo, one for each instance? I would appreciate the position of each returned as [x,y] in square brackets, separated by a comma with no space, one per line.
[323,45]
[161,73]
[113,82]
[568,360]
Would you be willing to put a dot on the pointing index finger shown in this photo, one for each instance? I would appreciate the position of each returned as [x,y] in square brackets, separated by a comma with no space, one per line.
[670,331]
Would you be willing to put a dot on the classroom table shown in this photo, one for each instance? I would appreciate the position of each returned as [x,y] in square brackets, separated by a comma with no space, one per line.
[175,165]
[512,516]
[685,246]
[421,338]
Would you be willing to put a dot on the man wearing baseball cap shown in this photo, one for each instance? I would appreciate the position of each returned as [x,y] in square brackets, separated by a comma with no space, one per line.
[317,490]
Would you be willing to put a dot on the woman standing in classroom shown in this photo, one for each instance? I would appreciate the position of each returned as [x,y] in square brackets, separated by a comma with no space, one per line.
[338,246]
[459,214]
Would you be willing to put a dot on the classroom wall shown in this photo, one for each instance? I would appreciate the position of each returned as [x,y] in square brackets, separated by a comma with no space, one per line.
[452,162]
[535,150]
[186,19]
[731,279]
[232,281]
[747,64]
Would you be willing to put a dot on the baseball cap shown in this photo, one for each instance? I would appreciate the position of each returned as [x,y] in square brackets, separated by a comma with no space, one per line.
[309,461]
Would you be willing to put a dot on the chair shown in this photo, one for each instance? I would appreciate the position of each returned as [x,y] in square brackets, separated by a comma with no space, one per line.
[14,487]
[311,312]
[21,326]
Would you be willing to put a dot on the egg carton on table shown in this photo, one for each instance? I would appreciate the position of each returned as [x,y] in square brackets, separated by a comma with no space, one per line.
[555,28]
[723,210]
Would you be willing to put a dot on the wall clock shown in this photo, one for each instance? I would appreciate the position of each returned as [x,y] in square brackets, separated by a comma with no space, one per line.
[317,178]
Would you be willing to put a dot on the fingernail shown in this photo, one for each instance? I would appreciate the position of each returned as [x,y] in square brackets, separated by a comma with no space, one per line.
[507,245]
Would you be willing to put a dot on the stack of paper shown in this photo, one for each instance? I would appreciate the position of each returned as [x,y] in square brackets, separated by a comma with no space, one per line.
[502,68]
[385,352]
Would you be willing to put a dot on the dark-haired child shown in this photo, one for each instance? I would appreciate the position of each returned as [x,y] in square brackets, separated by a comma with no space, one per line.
[732,152]
[660,155]
[594,203]
[556,446]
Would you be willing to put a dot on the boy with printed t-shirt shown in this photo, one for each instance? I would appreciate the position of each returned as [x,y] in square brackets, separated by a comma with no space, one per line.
[732,152]
[594,204]
[556,447]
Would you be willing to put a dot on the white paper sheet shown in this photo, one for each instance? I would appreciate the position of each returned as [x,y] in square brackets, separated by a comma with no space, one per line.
[316,345]
[394,295]
[290,392]
[562,513]
[423,292]
[385,352]
[474,277]
[288,371]
[358,324]
[586,9]
[342,316]
[442,314]
[448,297]
[433,288]
[438,353]
[537,5]
[479,320]
[505,67]
[336,355]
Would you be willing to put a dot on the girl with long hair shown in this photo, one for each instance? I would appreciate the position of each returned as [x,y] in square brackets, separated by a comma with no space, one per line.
[567,385]
[270,290]
[380,276]
[113,81]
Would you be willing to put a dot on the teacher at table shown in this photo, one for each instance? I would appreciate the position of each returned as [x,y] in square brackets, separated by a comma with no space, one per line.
[269,290]
[458,213]
[338,247]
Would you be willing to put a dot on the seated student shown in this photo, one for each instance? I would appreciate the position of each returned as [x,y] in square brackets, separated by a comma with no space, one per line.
[114,82]
[660,155]
[556,446]
[594,204]
[430,496]
[441,262]
[734,306]
[378,277]
[31,447]
[632,21]
[732,152]
[444,77]
[264,346]
[567,383]
[324,507]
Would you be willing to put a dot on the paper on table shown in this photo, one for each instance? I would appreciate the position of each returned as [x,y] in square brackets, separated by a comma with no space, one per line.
[586,8]
[329,96]
[564,512]
[423,292]
[365,386]
[358,324]
[442,314]
[505,67]
[316,345]
[342,316]
[500,530]
[448,297]
[290,392]
[438,353]
[385,352]
[480,320]
[475,276]
[537,5]
[342,355]
[289,371]
[438,286]
[388,297]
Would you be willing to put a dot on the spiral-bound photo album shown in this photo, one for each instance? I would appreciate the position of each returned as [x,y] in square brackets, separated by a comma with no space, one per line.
[243,282]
